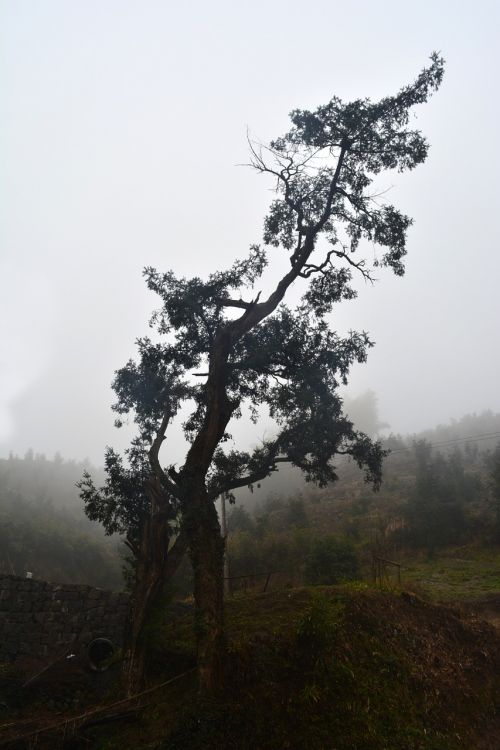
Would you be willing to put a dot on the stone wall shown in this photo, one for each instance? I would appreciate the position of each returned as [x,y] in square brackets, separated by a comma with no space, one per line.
[38,619]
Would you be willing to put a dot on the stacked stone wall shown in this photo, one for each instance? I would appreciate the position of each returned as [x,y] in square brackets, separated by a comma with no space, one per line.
[39,619]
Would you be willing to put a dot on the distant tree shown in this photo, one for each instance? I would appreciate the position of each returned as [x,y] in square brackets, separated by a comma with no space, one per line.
[240,520]
[493,467]
[363,410]
[273,502]
[485,425]
[221,350]
[436,510]
[42,531]
[296,514]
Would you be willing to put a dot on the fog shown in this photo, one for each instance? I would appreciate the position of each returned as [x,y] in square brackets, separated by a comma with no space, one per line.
[122,128]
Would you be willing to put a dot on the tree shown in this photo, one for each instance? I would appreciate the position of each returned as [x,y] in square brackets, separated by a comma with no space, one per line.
[492,462]
[296,514]
[240,520]
[443,490]
[221,350]
[134,503]
[331,561]
[363,410]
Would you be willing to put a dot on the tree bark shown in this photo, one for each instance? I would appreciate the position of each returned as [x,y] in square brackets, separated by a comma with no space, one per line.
[156,564]
[205,540]
[207,556]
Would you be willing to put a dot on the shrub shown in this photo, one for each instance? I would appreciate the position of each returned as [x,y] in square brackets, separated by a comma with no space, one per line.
[331,561]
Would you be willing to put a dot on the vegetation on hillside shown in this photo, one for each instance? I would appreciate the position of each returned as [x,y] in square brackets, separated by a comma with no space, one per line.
[328,667]
[431,499]
[356,665]
[43,528]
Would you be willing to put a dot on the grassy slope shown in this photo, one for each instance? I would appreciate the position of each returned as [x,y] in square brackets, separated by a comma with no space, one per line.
[328,669]
[459,574]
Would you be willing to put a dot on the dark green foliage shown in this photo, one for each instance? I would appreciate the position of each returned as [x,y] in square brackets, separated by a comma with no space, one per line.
[344,670]
[443,490]
[215,362]
[121,504]
[331,561]
[261,551]
[493,467]
[373,137]
[271,355]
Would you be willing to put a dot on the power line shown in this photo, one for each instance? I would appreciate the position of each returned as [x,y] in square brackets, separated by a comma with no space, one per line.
[454,441]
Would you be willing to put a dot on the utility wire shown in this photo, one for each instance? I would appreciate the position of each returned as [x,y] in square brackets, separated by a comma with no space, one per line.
[452,441]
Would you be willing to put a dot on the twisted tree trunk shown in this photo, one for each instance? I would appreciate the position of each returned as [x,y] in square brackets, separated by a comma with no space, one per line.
[156,565]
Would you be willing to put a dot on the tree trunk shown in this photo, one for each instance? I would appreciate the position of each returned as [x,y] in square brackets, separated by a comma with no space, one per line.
[156,565]
[207,556]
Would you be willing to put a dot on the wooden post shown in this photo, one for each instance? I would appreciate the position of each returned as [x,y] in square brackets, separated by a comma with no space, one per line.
[227,580]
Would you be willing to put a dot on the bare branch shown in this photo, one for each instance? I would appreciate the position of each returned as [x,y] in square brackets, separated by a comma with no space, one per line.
[359,266]
[288,170]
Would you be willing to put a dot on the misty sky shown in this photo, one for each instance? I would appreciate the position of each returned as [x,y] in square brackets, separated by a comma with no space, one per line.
[122,125]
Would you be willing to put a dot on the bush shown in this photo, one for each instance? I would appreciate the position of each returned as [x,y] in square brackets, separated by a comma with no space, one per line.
[331,561]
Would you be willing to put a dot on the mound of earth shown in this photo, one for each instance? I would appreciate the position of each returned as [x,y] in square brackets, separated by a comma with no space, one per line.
[326,668]
[342,668]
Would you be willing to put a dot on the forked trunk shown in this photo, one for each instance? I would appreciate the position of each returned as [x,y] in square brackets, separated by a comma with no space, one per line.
[156,565]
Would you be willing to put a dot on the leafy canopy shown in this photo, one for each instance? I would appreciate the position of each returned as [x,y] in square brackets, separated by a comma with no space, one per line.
[219,348]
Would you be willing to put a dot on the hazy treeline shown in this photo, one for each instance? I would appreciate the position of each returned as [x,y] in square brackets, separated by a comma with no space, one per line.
[43,528]
[479,431]
[434,494]
[440,488]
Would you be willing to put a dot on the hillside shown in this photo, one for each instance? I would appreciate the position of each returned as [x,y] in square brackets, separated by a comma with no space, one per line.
[347,667]
[43,528]
[437,499]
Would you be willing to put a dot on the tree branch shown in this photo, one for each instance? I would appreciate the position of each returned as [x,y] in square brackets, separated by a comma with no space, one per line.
[131,545]
[256,476]
[223,302]
[359,266]
[220,408]
[154,454]
[333,188]
[310,268]
[176,553]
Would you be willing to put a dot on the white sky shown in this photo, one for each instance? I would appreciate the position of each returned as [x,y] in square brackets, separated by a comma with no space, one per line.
[121,126]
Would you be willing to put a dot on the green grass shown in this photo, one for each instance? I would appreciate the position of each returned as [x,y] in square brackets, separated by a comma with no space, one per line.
[458,575]
[347,667]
